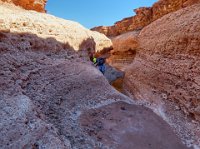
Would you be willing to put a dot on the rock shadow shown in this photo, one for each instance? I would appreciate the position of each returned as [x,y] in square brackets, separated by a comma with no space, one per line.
[50,46]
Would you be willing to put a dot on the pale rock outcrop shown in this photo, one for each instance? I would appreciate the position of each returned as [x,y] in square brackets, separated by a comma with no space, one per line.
[48,26]
[167,66]
[37,5]
[144,16]
[48,91]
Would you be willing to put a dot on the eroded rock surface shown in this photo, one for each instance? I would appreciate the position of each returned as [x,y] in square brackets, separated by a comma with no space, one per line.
[42,98]
[37,5]
[167,67]
[124,126]
[46,87]
[22,127]
[51,27]
[144,16]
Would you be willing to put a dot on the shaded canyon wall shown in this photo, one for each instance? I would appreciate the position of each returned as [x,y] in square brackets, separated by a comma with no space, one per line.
[167,64]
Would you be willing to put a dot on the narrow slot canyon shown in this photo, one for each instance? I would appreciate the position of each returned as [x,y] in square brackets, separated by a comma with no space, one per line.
[53,97]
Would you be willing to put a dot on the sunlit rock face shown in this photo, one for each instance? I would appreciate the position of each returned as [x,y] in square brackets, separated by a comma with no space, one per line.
[48,89]
[163,7]
[167,66]
[124,50]
[72,35]
[144,16]
[37,5]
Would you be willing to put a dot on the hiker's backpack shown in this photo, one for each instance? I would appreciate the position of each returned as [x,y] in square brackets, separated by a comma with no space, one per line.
[101,61]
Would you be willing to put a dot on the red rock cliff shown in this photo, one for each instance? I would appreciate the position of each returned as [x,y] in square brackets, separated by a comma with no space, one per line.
[144,16]
[37,5]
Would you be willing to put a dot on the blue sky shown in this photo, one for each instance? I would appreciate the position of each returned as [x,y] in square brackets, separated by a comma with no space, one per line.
[91,13]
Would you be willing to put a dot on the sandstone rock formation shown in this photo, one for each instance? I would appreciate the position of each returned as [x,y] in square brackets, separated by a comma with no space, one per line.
[163,7]
[124,50]
[37,5]
[144,16]
[167,66]
[48,26]
[48,91]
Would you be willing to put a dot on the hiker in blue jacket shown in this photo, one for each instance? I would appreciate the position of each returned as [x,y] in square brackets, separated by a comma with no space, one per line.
[100,62]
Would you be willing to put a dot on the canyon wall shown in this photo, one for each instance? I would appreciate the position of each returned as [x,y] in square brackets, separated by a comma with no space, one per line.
[37,5]
[51,96]
[144,16]
[164,75]
[167,64]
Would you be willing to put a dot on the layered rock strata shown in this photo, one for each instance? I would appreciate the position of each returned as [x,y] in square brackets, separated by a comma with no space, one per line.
[144,16]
